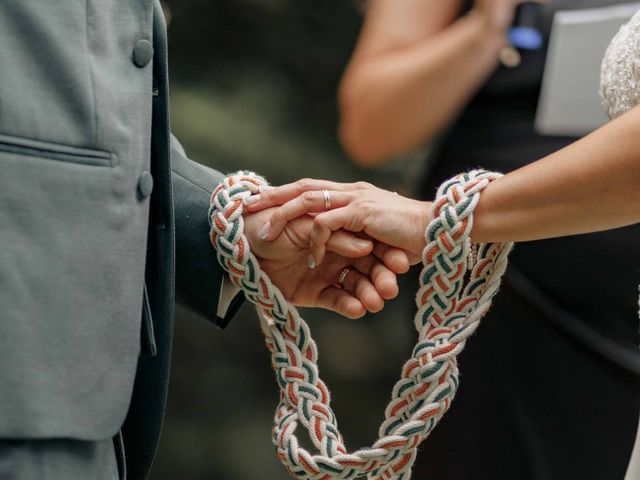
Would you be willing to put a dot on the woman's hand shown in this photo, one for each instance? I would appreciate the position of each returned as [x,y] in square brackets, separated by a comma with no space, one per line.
[356,207]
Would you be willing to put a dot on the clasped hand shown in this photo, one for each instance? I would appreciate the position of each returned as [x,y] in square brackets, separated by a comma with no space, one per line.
[303,246]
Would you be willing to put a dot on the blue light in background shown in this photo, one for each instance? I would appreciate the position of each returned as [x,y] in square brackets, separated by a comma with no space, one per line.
[525,38]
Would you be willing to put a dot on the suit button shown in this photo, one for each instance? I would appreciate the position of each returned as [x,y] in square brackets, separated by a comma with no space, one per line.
[142,53]
[145,185]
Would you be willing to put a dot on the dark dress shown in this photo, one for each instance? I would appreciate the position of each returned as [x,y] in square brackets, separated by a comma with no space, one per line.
[550,385]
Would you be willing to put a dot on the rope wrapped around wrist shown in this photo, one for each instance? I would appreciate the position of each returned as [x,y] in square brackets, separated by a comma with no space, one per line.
[455,292]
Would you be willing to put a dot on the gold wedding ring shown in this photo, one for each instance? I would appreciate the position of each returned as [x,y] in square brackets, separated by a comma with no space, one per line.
[343,276]
[327,200]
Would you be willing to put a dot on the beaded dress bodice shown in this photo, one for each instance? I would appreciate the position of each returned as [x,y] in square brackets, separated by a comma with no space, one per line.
[620,71]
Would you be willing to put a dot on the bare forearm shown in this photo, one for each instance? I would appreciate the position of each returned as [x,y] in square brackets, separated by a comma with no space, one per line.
[394,101]
[591,185]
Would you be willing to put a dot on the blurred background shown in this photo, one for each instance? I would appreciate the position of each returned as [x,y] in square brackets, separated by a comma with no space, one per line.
[253,86]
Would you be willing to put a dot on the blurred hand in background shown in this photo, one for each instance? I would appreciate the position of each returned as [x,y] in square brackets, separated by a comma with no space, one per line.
[416,65]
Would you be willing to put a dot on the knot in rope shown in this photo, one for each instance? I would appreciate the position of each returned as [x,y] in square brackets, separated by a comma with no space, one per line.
[456,289]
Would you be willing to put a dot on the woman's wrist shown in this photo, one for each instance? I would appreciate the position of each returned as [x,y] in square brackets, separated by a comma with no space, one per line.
[498,216]
[482,230]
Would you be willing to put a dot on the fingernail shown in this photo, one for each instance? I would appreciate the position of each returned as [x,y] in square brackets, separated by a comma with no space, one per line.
[264,231]
[252,200]
[361,244]
[311,262]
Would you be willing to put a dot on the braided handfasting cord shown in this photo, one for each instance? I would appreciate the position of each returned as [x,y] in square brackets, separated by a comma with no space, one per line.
[455,292]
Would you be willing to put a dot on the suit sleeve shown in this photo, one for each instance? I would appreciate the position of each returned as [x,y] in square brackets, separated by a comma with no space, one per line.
[199,276]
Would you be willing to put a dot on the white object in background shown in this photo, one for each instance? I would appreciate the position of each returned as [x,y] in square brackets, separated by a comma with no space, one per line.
[633,470]
[569,102]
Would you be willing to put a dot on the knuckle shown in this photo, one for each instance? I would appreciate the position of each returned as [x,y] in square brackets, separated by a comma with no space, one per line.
[309,198]
[304,183]
[268,194]
[367,205]
[360,205]
[363,185]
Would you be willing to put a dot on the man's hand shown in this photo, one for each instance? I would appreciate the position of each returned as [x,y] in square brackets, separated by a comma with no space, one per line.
[285,260]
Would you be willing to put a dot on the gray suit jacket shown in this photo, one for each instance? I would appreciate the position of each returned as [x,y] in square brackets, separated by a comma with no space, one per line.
[87,222]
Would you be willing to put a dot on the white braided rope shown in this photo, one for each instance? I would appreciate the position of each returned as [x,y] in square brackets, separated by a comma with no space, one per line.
[455,292]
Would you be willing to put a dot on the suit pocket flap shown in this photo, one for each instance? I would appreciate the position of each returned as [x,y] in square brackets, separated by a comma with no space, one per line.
[54,151]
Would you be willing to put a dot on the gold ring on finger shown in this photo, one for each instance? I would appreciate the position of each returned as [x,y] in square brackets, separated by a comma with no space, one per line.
[327,200]
[343,276]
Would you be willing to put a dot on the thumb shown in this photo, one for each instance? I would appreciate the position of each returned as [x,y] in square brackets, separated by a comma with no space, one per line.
[349,245]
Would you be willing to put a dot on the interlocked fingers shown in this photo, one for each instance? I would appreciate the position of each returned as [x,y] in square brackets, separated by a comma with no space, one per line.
[456,288]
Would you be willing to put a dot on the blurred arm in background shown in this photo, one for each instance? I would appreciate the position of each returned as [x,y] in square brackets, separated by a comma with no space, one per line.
[415,66]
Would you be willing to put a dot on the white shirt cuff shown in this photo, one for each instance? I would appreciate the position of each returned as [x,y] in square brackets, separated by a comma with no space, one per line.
[228,292]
